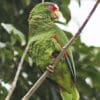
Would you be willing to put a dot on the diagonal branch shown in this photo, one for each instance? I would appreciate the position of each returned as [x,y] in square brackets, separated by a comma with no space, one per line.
[19,68]
[46,73]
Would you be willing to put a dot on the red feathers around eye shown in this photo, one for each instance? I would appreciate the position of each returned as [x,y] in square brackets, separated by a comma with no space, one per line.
[52,7]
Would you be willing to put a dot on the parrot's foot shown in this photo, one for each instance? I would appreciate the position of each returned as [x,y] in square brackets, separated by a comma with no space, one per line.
[50,68]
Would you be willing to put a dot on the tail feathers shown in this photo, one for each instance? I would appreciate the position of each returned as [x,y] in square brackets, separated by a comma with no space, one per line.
[66,95]
[74,95]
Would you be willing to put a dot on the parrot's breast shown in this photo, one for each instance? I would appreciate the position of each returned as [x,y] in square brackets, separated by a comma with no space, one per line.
[42,51]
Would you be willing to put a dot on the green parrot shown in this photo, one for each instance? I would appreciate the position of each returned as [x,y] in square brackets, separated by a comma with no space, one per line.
[48,42]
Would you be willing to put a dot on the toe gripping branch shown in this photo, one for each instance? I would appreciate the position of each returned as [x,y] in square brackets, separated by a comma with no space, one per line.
[50,68]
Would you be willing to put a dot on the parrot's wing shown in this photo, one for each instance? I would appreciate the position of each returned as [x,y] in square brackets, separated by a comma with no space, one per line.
[68,59]
[71,67]
[61,39]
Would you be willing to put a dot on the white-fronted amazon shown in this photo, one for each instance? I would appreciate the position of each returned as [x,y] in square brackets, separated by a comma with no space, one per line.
[48,42]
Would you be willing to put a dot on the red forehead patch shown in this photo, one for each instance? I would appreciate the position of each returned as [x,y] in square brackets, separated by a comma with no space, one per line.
[52,7]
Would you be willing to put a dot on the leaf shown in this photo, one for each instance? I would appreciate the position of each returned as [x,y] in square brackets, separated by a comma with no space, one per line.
[66,12]
[83,87]
[97,59]
[79,2]
[66,2]
[26,2]
[13,31]
[2,45]
[3,92]
[95,76]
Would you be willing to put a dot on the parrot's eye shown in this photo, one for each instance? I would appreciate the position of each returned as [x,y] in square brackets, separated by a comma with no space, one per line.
[52,7]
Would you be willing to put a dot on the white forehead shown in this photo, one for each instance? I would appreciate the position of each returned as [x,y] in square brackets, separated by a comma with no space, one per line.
[56,6]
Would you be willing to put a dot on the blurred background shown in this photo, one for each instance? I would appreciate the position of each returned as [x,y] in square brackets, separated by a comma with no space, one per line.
[14,37]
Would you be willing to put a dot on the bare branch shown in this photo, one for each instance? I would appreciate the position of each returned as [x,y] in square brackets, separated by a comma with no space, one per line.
[46,73]
[43,1]
[19,68]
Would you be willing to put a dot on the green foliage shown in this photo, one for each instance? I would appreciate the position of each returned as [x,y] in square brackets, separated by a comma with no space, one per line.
[14,33]
[87,67]
[3,92]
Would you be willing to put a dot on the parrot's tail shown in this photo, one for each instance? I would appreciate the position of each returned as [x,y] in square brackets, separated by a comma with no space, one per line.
[74,95]
[66,95]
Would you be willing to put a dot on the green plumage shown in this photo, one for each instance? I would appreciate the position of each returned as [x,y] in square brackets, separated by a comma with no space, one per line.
[43,29]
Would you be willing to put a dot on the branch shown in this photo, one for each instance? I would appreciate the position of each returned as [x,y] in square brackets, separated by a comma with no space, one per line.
[46,73]
[43,1]
[19,68]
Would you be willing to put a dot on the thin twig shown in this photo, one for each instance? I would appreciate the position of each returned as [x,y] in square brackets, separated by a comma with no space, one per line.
[43,1]
[46,73]
[19,68]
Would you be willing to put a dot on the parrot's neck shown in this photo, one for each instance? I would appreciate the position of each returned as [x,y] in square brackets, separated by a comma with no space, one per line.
[39,24]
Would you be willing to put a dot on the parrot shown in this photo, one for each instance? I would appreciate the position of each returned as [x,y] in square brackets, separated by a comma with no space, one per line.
[48,41]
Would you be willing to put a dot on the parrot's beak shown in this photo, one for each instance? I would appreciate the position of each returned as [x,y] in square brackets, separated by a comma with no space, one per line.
[56,14]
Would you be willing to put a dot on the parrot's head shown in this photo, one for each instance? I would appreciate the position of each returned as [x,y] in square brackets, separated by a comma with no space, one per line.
[53,10]
[47,9]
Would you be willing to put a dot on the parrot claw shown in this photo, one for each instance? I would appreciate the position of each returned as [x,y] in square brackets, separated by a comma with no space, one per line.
[50,68]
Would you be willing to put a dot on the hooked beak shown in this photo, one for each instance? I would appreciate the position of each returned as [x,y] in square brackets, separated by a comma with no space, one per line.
[56,14]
